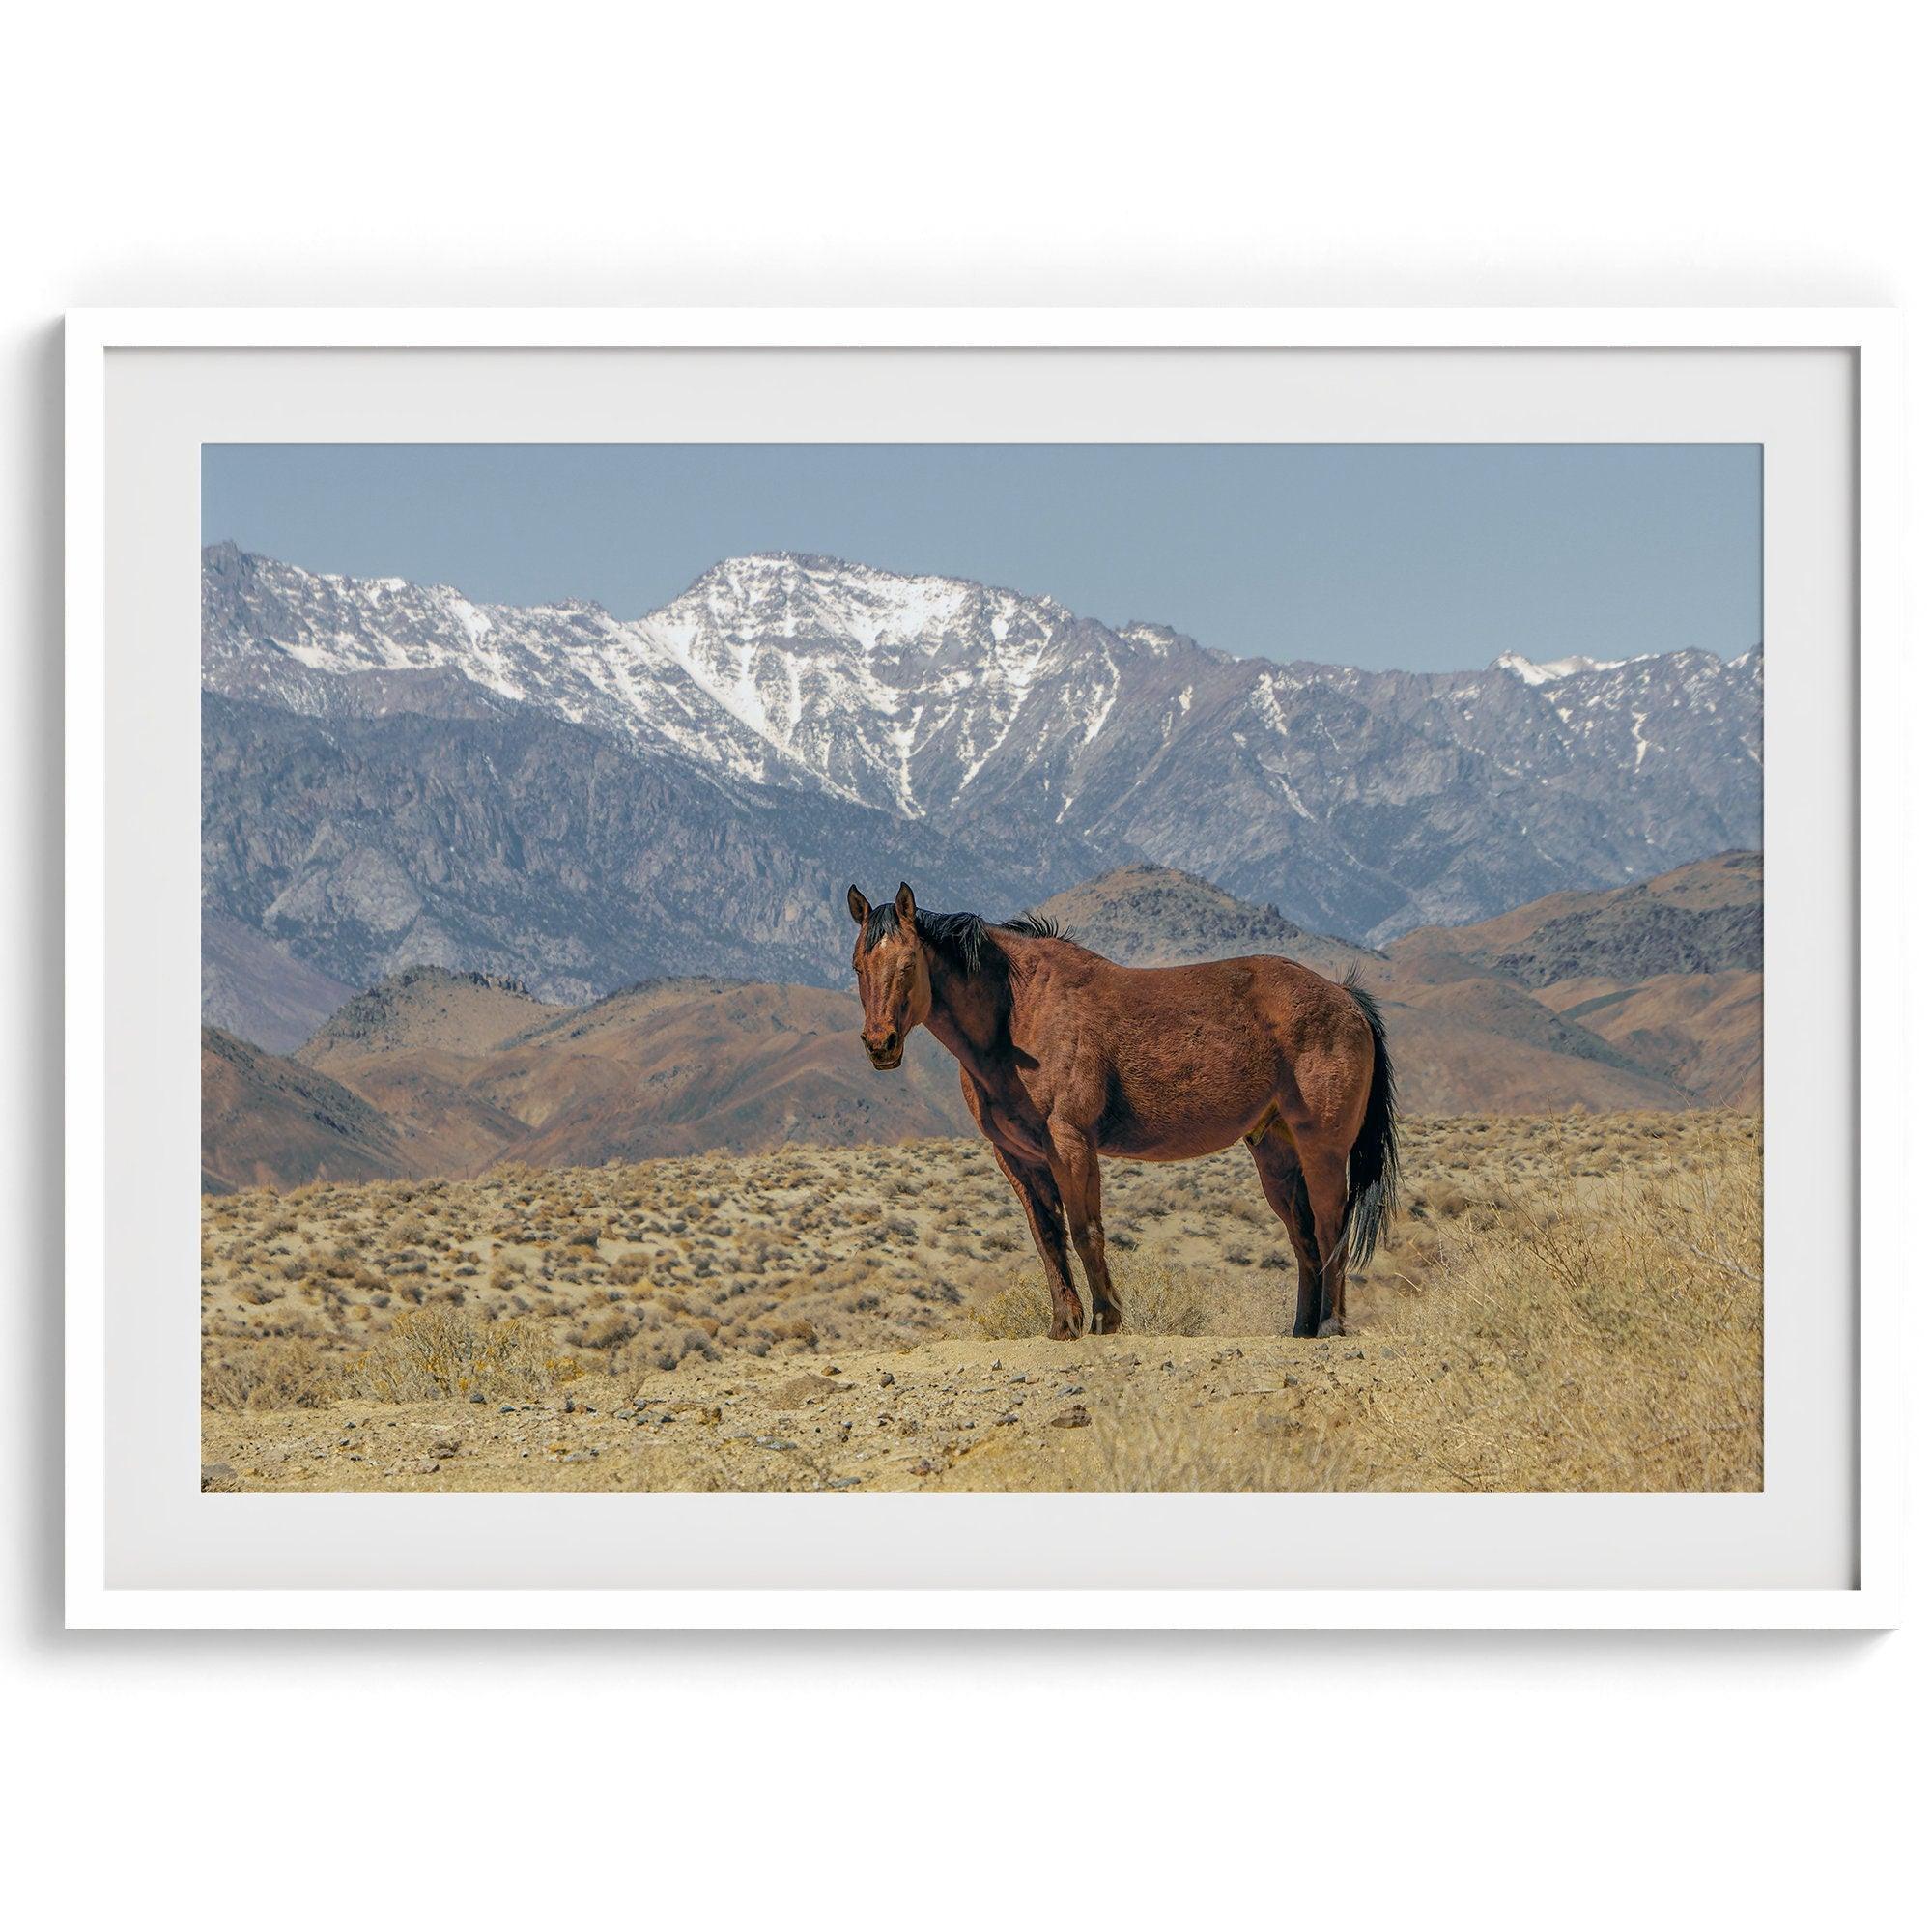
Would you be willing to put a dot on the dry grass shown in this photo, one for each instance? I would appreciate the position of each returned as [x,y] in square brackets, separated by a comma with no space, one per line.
[1155,1298]
[1609,1337]
[1569,1302]
[1605,1337]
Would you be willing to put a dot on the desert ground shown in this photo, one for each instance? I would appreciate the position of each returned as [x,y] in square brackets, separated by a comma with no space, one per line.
[1569,1302]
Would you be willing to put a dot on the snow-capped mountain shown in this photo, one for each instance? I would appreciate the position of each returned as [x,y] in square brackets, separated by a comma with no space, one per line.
[273,633]
[893,692]
[1556,668]
[975,721]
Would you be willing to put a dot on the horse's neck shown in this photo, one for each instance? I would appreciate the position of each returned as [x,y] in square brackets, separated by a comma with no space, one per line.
[969,1016]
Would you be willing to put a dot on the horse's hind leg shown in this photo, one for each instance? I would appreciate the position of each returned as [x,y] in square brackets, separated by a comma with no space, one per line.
[1076,1171]
[1280,1171]
[1325,1173]
[1036,1189]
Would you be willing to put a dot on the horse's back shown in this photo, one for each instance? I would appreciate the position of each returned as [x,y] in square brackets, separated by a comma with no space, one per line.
[1189,1058]
[1278,991]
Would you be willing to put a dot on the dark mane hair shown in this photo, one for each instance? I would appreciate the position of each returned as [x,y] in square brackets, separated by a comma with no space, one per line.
[959,937]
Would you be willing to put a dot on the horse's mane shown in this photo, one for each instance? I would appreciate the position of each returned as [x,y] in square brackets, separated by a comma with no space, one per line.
[959,937]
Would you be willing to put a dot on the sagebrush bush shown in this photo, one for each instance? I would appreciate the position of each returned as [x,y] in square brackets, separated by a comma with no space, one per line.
[438,1352]
[606,1328]
[275,1373]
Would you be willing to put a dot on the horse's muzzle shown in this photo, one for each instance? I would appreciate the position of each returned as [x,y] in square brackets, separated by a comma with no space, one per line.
[886,1052]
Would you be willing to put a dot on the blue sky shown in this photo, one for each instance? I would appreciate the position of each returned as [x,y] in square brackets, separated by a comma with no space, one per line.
[1413,556]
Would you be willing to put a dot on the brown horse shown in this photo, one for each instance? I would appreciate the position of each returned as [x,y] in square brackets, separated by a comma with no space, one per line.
[1065,1057]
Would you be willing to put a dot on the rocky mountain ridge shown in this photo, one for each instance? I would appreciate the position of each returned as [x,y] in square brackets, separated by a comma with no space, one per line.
[394,774]
[439,1072]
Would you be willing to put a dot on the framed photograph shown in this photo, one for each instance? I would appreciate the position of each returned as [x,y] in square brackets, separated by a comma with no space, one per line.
[983,968]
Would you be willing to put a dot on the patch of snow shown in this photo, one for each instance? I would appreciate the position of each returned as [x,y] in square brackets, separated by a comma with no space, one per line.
[1556,668]
[475,622]
[1266,706]
[1293,797]
[1098,720]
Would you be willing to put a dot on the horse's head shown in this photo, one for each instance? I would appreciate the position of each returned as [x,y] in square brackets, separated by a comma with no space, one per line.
[895,986]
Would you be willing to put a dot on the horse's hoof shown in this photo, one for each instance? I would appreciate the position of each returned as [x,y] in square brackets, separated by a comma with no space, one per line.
[1062,1331]
[1109,1322]
[1331,1326]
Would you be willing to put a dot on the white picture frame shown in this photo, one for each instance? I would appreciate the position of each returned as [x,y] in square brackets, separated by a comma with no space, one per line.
[1870,1595]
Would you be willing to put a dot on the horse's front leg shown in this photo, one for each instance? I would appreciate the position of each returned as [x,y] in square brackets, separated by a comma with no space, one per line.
[1076,1173]
[1035,1188]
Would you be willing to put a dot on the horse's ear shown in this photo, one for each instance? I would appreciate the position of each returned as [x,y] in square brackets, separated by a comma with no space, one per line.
[855,901]
[903,905]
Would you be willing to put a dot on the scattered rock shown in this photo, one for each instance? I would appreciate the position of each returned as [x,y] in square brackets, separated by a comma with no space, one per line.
[218,1479]
[1075,1417]
[885,1378]
[692,1411]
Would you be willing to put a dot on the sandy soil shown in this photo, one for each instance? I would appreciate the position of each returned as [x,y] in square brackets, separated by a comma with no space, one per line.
[1571,1302]
[946,1415]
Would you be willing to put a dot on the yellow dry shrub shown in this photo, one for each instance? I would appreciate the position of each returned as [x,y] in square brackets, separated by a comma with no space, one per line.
[436,1352]
[274,1374]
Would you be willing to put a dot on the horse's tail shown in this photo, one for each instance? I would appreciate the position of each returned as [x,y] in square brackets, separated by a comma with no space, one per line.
[1374,1171]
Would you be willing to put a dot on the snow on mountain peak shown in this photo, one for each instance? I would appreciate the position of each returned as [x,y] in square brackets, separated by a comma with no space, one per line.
[789,594]
[880,684]
[929,696]
[1556,668]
